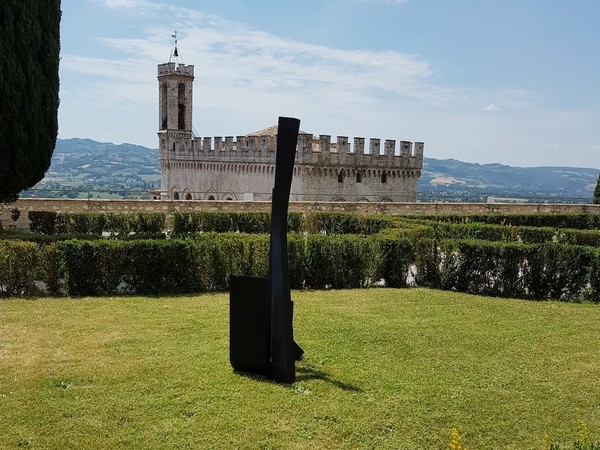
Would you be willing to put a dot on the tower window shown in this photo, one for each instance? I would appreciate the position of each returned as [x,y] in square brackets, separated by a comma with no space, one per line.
[341,176]
[181,106]
[384,177]
[163,107]
[358,177]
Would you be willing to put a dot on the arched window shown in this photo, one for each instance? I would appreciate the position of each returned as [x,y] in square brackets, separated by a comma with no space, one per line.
[181,106]
[358,177]
[384,177]
[188,196]
[341,176]
[163,106]
[176,196]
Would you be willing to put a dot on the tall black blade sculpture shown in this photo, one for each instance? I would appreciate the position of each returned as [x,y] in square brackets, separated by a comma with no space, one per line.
[282,338]
[261,310]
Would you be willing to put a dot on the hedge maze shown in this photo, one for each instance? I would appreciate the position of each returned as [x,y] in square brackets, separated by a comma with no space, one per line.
[530,256]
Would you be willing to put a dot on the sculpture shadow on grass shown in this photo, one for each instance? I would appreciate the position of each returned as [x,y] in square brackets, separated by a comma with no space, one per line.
[304,372]
[307,372]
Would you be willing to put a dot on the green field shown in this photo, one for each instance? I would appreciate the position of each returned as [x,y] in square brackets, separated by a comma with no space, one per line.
[383,368]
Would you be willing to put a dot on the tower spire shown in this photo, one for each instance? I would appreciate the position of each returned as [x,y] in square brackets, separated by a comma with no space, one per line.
[175,56]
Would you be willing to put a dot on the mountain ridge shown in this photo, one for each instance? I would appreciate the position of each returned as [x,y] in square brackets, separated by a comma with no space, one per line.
[85,165]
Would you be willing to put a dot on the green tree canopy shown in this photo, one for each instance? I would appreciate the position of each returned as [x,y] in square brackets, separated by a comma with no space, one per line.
[29,56]
[596,199]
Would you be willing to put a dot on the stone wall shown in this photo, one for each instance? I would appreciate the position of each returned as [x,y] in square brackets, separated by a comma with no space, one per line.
[242,168]
[169,207]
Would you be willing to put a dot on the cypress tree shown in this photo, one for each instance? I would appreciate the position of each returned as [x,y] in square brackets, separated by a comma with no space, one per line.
[29,56]
[596,199]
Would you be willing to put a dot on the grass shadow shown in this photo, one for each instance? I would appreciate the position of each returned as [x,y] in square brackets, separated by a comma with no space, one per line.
[304,372]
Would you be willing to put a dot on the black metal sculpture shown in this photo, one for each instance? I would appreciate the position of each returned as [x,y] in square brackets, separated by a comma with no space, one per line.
[261,309]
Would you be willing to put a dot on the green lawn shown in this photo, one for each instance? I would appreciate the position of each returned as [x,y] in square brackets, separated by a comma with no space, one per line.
[383,368]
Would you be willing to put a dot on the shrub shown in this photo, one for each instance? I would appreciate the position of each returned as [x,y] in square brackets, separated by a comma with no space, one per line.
[339,262]
[87,223]
[89,267]
[539,271]
[227,222]
[345,223]
[485,268]
[396,256]
[42,222]
[147,222]
[555,271]
[94,224]
[118,224]
[581,221]
[18,268]
[579,237]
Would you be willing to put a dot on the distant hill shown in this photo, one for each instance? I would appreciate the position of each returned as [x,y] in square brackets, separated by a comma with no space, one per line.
[453,177]
[83,167]
[86,168]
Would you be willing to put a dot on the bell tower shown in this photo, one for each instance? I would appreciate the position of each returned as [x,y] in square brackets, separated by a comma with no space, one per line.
[175,86]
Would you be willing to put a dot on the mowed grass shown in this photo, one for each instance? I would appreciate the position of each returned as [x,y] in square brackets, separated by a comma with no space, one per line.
[383,368]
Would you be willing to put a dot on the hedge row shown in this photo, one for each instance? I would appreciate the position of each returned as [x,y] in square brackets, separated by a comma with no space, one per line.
[259,222]
[506,233]
[19,264]
[346,223]
[107,267]
[581,221]
[229,222]
[542,271]
[51,223]
[174,266]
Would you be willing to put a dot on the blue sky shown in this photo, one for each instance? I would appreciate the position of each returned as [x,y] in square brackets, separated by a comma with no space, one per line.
[508,81]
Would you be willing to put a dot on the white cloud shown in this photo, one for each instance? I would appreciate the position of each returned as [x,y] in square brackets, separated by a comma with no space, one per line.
[245,78]
[123,3]
[240,65]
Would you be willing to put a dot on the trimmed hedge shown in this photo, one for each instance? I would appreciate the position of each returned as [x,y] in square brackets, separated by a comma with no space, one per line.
[108,267]
[50,223]
[542,271]
[204,263]
[229,222]
[341,262]
[345,223]
[581,221]
[19,262]
[509,233]
[486,259]
[259,222]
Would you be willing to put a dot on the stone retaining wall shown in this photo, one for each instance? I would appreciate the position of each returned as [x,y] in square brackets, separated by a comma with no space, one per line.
[170,206]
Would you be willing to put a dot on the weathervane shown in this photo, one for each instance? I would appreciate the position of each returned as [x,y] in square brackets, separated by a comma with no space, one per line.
[175,53]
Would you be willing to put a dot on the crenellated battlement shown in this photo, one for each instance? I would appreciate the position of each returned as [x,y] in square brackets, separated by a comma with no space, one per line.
[243,167]
[172,68]
[310,150]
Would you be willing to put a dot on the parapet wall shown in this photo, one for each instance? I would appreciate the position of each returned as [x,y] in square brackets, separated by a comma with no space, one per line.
[170,206]
[175,69]
[309,150]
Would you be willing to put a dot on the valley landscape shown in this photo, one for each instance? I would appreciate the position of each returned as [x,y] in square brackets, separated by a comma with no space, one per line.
[84,168]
